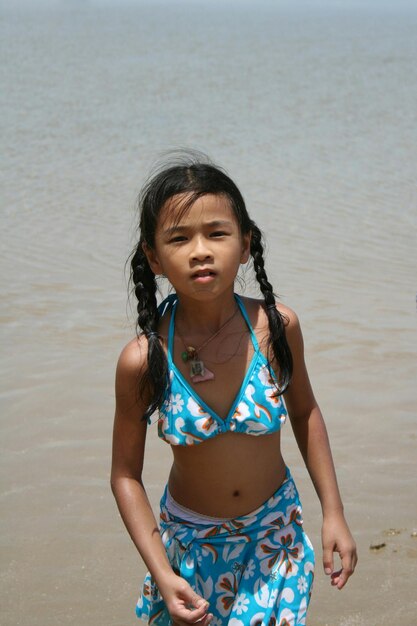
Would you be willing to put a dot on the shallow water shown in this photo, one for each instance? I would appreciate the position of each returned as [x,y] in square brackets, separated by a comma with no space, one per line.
[312,112]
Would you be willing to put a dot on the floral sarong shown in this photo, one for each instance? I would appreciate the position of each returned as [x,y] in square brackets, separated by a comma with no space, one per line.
[254,570]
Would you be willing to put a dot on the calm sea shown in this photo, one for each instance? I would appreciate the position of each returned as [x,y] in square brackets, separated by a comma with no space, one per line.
[312,110]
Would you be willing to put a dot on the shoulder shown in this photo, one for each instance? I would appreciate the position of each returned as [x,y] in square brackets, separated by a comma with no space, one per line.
[290,318]
[258,315]
[132,364]
[134,354]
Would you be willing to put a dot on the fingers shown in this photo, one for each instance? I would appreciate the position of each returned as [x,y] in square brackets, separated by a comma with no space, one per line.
[198,607]
[191,609]
[340,578]
[336,537]
[328,560]
[204,621]
[185,615]
[348,567]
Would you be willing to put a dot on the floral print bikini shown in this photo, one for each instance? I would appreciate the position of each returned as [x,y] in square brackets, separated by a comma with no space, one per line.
[256,569]
[185,419]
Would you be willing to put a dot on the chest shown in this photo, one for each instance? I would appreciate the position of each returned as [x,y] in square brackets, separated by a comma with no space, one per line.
[229,360]
[239,397]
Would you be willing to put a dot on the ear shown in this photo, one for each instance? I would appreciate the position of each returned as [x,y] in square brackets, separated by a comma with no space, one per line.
[152,258]
[245,247]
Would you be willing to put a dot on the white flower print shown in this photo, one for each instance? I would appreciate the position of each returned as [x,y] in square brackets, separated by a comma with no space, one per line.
[287,594]
[273,597]
[163,429]
[271,396]
[195,409]
[265,376]
[261,594]
[310,545]
[249,570]
[289,490]
[279,554]
[270,390]
[241,412]
[294,514]
[226,588]
[302,613]
[302,584]
[176,403]
[216,622]
[257,410]
[250,390]
[206,425]
[255,427]
[233,622]
[269,598]
[277,517]
[286,618]
[204,588]
[139,604]
[240,604]
[268,383]
[309,566]
[190,438]
[232,550]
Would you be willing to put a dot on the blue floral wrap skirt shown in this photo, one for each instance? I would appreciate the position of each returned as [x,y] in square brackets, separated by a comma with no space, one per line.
[254,570]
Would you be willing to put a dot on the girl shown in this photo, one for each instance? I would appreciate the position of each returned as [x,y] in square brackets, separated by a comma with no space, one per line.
[217,367]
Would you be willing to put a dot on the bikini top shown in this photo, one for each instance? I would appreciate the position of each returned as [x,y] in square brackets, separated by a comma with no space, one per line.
[185,419]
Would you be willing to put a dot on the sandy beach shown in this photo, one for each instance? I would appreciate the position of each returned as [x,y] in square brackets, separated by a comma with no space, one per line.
[313,114]
[67,559]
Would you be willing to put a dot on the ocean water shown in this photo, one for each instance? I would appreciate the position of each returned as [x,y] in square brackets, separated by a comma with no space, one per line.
[312,110]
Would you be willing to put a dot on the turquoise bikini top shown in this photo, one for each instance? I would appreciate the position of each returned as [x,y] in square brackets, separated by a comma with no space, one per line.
[185,419]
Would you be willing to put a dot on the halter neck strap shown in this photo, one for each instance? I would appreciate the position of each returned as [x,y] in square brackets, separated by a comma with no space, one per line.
[173,301]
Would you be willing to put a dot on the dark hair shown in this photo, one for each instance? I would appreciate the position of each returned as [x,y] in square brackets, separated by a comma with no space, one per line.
[195,176]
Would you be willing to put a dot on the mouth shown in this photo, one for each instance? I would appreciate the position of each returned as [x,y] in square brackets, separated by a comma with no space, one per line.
[203,274]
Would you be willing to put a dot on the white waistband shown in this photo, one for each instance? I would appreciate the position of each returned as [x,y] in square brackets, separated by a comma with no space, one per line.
[191,516]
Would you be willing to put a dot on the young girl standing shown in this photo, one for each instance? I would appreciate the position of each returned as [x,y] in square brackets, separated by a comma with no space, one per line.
[230,547]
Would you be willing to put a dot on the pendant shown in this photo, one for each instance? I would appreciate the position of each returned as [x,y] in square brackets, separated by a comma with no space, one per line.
[189,354]
[199,373]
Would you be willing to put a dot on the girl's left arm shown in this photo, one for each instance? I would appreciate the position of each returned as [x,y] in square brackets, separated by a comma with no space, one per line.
[311,435]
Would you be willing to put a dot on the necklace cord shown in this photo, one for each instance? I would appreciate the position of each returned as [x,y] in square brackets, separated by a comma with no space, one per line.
[192,353]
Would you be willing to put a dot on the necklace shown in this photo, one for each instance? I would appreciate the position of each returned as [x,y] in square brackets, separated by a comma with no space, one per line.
[198,371]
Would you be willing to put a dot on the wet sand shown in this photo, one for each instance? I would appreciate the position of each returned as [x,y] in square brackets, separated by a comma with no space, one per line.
[66,556]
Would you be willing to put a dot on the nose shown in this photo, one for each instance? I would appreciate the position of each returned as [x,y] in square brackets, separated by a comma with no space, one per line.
[201,250]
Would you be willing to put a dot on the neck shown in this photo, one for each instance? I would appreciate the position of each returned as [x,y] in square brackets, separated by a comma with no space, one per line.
[204,318]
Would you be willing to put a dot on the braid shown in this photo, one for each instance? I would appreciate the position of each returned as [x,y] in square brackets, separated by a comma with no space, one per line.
[187,178]
[145,290]
[277,339]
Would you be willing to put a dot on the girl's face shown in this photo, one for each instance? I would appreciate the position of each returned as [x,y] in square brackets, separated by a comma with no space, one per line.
[200,249]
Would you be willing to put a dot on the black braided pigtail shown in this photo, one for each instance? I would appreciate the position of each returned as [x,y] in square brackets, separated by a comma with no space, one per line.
[190,177]
[156,376]
[277,339]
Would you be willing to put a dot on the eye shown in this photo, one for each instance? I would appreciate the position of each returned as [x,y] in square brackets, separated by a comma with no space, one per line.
[218,233]
[178,239]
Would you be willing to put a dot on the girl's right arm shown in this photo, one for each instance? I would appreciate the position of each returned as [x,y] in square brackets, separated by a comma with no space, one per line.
[129,436]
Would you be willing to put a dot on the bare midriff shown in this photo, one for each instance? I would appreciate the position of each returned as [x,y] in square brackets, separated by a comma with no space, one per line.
[227,476]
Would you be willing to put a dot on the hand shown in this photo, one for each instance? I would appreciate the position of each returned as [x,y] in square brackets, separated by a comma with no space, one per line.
[183,604]
[336,537]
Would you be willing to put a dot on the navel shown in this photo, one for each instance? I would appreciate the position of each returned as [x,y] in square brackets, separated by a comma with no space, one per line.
[236,494]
